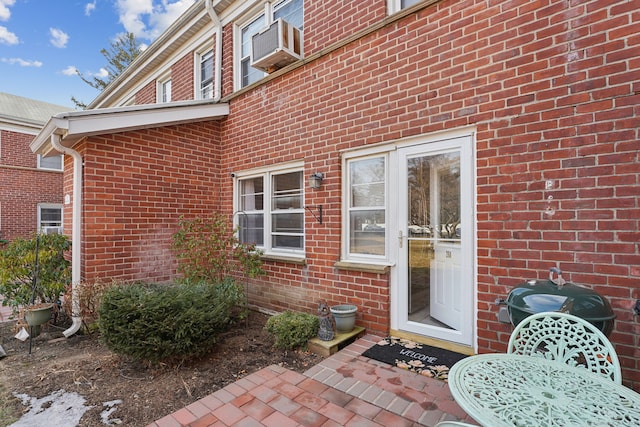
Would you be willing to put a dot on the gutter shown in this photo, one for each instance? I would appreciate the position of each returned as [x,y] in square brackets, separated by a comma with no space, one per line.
[217,86]
[76,238]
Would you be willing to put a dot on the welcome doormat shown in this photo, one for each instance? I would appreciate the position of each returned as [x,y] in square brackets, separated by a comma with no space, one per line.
[422,359]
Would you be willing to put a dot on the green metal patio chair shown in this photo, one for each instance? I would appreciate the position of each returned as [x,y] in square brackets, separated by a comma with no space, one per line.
[567,338]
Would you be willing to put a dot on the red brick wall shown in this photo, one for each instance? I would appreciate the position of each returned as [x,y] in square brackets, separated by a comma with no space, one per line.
[23,186]
[14,149]
[147,95]
[552,88]
[329,22]
[137,185]
[182,78]
[227,60]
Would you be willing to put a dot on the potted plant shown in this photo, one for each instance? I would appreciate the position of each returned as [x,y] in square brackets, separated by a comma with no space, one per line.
[33,275]
[345,317]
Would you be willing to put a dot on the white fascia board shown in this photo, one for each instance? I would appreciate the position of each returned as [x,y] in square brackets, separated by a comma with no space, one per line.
[17,125]
[74,126]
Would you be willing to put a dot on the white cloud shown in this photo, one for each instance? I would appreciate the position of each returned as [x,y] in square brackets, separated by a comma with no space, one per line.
[73,71]
[101,74]
[7,37]
[70,71]
[58,37]
[88,8]
[5,13]
[21,62]
[147,19]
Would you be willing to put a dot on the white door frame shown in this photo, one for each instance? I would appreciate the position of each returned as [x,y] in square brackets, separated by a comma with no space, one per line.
[464,140]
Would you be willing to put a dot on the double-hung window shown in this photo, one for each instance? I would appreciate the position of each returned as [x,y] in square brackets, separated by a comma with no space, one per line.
[50,218]
[289,10]
[205,75]
[164,90]
[271,211]
[366,208]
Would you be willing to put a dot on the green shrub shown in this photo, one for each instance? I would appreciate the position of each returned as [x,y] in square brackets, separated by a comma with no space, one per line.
[153,322]
[17,270]
[292,330]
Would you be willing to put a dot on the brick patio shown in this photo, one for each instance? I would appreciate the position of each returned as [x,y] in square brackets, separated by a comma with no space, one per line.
[345,389]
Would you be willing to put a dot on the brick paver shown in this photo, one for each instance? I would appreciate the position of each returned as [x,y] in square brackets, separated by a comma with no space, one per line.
[345,389]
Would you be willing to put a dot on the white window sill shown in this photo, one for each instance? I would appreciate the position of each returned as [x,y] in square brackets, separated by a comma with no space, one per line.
[363,267]
[300,260]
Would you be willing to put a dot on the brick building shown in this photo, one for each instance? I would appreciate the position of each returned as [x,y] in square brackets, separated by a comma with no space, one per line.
[457,148]
[30,185]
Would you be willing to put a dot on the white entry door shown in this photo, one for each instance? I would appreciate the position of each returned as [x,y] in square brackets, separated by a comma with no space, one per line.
[435,292]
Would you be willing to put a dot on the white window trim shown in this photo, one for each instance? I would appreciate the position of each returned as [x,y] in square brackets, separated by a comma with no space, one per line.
[51,169]
[346,256]
[197,62]
[160,88]
[267,173]
[50,206]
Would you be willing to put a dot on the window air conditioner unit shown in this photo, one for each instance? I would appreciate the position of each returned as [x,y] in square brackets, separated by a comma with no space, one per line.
[51,230]
[277,46]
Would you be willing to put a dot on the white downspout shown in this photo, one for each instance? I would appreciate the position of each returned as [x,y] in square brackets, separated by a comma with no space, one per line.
[217,86]
[76,237]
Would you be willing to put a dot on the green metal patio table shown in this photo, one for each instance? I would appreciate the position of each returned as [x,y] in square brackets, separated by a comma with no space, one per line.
[515,390]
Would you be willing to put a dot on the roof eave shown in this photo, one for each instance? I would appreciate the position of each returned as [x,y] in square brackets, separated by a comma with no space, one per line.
[146,58]
[77,125]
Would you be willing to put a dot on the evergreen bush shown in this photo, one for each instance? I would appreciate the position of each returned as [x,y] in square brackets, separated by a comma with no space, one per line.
[292,330]
[155,322]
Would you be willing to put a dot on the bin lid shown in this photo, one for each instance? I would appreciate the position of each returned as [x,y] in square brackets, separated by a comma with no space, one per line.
[536,296]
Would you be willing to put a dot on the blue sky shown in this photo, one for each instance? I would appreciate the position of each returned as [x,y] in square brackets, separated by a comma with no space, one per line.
[43,42]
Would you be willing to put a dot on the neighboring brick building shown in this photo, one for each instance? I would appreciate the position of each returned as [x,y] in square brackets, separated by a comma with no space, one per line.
[30,186]
[465,146]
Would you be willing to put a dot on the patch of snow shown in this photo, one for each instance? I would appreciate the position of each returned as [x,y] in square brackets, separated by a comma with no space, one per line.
[60,409]
[111,407]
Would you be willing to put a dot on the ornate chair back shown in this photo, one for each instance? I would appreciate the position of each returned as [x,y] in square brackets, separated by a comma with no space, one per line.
[453,424]
[566,338]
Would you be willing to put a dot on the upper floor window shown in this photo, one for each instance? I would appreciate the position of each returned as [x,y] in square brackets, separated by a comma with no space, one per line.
[49,218]
[164,90]
[52,162]
[289,10]
[205,75]
[271,211]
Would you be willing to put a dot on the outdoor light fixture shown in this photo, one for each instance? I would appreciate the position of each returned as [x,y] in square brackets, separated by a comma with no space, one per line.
[315,180]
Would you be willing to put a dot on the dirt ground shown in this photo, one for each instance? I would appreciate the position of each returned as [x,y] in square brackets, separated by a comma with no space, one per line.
[82,364]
